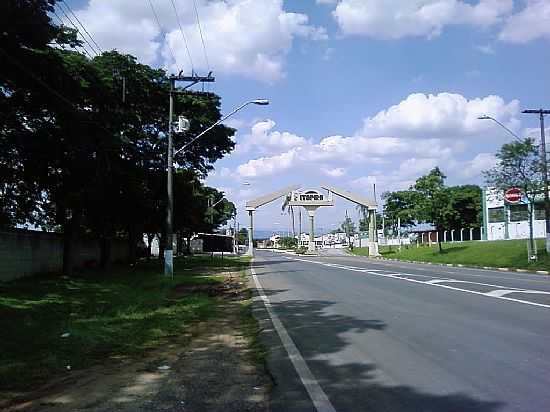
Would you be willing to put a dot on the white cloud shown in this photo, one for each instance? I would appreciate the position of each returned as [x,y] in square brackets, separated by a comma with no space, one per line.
[244,37]
[474,167]
[263,138]
[531,23]
[485,49]
[336,172]
[327,55]
[442,116]
[393,19]
[411,137]
[267,166]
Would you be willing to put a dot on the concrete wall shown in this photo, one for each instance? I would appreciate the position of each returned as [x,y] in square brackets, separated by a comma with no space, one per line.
[26,253]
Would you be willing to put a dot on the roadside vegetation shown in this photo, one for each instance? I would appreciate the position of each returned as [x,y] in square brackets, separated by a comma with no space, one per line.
[54,324]
[506,253]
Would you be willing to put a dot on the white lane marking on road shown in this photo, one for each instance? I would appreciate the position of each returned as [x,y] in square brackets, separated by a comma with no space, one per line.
[436,281]
[501,292]
[440,285]
[318,396]
[523,277]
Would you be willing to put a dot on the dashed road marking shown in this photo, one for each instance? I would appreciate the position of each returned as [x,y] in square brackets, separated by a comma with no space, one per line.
[497,294]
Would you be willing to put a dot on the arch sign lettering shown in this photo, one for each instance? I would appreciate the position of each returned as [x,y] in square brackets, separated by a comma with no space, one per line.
[310,197]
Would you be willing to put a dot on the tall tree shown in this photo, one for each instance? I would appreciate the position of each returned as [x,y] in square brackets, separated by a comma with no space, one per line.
[519,165]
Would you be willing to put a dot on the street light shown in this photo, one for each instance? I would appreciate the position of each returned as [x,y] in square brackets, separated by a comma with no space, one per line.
[542,113]
[485,117]
[259,102]
[168,252]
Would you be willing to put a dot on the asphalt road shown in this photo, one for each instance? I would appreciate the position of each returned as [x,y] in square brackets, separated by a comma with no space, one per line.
[388,336]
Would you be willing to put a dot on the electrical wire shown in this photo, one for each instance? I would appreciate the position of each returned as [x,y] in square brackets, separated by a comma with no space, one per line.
[160,28]
[81,25]
[78,31]
[183,35]
[86,52]
[201,34]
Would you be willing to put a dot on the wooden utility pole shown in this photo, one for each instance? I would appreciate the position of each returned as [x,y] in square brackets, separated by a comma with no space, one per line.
[168,250]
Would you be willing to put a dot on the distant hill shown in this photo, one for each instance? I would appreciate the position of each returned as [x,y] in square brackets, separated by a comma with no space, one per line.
[267,233]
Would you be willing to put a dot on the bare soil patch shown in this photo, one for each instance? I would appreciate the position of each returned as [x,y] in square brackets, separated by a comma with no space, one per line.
[208,368]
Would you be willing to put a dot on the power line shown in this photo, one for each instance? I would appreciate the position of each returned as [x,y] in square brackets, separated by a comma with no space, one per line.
[200,31]
[160,28]
[183,35]
[82,25]
[78,31]
[74,48]
[39,80]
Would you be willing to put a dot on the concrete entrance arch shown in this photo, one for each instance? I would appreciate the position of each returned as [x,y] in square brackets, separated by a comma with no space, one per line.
[311,200]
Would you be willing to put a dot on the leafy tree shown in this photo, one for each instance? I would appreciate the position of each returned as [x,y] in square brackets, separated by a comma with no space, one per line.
[518,165]
[466,203]
[429,200]
[348,226]
[288,242]
[434,201]
[79,156]
[400,205]
[242,236]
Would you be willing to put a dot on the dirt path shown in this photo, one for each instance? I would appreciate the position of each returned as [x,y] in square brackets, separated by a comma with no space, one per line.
[213,370]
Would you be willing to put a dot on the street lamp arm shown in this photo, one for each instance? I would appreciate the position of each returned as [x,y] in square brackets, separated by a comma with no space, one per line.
[242,106]
[500,124]
[217,203]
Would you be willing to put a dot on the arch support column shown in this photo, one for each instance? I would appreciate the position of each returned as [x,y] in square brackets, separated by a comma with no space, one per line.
[311,245]
[373,241]
[250,251]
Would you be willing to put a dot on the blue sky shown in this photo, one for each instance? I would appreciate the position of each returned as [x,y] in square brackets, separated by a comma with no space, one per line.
[361,91]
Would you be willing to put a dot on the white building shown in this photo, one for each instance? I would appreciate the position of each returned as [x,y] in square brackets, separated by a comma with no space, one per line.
[504,220]
[335,240]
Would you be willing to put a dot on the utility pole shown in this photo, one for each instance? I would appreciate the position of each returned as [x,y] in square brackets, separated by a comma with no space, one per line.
[541,113]
[168,250]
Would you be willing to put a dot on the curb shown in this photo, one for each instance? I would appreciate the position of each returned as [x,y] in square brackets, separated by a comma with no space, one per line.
[460,265]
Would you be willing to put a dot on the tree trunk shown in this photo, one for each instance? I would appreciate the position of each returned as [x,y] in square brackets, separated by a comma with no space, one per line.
[70,232]
[188,244]
[132,243]
[150,238]
[161,246]
[104,252]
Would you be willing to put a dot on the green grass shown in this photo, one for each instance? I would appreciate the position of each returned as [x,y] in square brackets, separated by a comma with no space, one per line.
[509,253]
[121,313]
[251,328]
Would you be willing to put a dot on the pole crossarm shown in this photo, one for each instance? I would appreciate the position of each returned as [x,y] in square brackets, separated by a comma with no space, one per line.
[352,197]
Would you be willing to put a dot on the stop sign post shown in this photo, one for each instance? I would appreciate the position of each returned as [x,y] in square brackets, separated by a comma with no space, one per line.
[513,195]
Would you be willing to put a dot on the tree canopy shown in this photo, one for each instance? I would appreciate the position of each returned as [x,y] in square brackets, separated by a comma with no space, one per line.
[83,155]
[429,200]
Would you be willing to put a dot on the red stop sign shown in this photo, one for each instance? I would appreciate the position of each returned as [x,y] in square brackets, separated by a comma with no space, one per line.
[513,195]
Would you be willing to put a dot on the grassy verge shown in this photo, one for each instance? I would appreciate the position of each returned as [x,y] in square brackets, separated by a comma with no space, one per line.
[509,253]
[251,327]
[117,314]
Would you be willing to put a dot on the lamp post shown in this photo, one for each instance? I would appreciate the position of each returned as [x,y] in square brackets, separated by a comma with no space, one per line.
[168,252]
[485,117]
[541,113]
[506,208]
